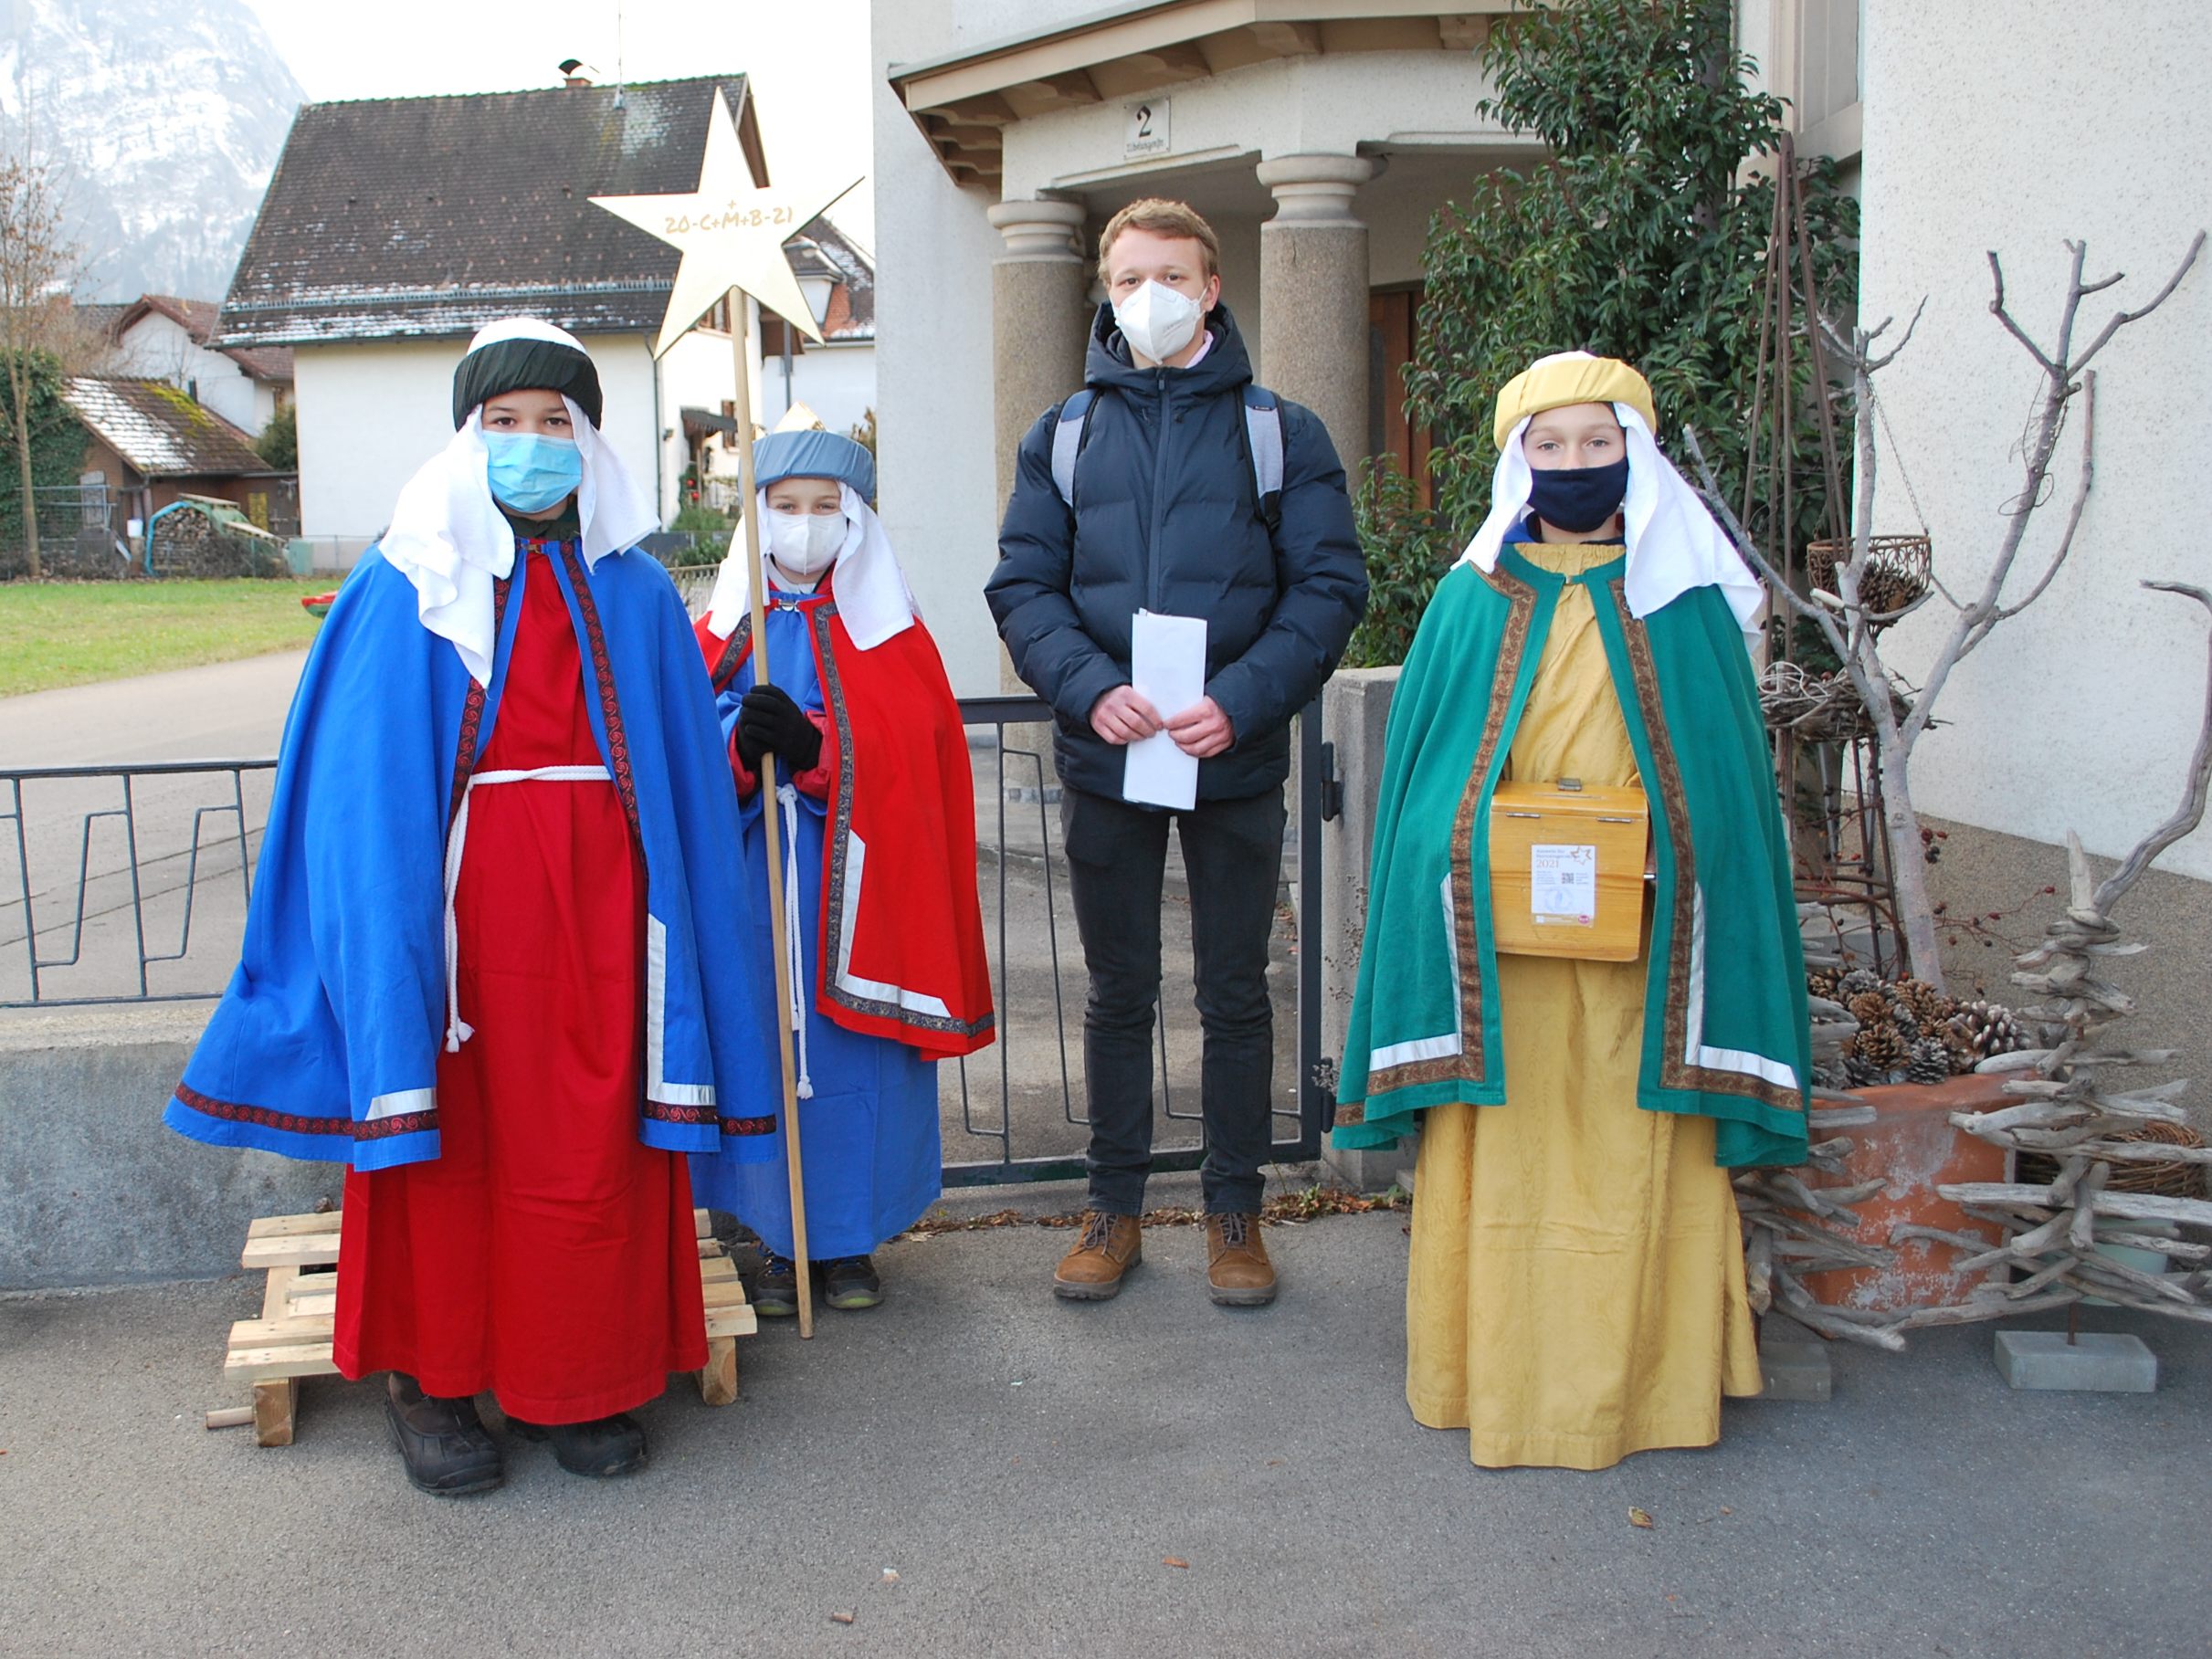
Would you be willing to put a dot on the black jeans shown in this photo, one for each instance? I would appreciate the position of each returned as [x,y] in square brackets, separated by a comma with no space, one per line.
[1232,853]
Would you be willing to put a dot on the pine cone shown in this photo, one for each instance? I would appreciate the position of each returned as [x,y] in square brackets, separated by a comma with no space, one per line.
[1907,1024]
[1960,1044]
[1862,1074]
[1988,1028]
[1856,982]
[1930,1006]
[1883,591]
[1822,982]
[1870,1008]
[1879,1046]
[1930,1060]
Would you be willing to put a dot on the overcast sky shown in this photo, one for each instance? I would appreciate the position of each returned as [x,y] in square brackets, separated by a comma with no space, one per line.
[809,60]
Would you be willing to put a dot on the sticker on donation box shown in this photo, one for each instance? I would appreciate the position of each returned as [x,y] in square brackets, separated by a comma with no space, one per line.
[1563,885]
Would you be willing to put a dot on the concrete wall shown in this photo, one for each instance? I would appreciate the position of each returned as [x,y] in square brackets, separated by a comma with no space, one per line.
[93,1190]
[933,403]
[2080,713]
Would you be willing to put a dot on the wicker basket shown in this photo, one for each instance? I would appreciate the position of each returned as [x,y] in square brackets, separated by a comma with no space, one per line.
[2166,1178]
[1896,570]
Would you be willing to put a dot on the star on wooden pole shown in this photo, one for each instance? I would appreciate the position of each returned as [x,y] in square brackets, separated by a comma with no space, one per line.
[730,233]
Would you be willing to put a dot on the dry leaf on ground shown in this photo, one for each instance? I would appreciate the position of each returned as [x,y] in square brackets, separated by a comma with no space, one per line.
[1638,1517]
[1174,1560]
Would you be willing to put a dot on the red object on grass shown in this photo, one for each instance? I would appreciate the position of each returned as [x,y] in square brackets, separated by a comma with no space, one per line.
[316,604]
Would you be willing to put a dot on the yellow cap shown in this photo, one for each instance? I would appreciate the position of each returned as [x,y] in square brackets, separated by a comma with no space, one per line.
[1570,377]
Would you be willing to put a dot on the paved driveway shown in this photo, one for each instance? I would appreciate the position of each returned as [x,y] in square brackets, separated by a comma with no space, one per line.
[1028,1468]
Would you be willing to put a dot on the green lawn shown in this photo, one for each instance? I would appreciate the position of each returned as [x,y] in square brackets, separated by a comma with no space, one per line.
[73,633]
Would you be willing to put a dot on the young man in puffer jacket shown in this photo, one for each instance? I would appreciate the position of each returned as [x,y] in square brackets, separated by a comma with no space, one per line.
[1164,511]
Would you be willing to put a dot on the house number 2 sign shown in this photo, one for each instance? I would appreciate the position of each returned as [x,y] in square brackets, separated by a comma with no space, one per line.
[1148,130]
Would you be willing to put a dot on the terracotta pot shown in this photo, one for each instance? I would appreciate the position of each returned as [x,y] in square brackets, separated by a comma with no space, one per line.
[1913,1148]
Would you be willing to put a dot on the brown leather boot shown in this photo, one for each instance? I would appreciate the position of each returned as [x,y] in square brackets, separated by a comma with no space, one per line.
[1238,1272]
[1107,1247]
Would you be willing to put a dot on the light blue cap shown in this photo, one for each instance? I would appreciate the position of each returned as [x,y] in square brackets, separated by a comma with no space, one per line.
[815,455]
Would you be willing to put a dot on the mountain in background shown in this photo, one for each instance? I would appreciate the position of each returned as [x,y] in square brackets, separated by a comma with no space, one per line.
[163,121]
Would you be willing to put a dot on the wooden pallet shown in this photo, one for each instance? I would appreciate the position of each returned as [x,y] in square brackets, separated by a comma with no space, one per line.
[291,1339]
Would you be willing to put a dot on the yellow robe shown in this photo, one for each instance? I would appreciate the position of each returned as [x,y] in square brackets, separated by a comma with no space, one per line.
[1577,1287]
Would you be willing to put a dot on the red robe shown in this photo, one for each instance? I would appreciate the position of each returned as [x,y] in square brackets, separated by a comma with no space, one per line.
[546,1254]
[901,944]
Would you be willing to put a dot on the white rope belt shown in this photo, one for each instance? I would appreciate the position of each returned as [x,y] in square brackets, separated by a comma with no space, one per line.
[458,1030]
[788,796]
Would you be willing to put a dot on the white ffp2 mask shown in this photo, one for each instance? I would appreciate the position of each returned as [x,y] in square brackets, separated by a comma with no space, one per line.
[1157,321]
[805,544]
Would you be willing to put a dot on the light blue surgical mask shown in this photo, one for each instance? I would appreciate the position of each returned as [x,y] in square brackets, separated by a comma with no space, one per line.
[531,472]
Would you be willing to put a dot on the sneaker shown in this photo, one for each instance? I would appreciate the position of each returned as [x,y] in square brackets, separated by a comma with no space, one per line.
[1107,1247]
[448,1451]
[1238,1272]
[849,1282]
[777,1294]
[601,1449]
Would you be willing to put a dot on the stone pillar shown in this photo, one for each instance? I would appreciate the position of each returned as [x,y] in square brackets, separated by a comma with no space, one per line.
[1040,321]
[1355,708]
[1038,317]
[1313,292]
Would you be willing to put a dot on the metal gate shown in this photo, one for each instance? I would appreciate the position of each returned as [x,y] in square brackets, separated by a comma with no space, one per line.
[130,884]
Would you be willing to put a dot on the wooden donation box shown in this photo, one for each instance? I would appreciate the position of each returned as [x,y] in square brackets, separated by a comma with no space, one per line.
[1567,863]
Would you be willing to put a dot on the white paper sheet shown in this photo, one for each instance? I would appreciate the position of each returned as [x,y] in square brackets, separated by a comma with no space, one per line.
[1167,666]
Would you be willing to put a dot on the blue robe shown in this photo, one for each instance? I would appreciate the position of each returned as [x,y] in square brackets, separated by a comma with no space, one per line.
[868,1137]
[325,1045]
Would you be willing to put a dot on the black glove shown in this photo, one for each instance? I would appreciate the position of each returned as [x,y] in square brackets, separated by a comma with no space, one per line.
[768,720]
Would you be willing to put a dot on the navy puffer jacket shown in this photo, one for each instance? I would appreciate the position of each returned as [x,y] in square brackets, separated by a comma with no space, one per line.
[1168,520]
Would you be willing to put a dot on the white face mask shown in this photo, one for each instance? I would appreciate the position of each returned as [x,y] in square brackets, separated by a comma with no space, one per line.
[805,544]
[1157,321]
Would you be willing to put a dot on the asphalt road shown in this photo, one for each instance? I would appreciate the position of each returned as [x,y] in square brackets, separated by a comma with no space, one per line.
[1028,1469]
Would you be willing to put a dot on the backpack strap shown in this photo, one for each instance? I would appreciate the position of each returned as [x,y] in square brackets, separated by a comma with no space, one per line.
[1263,438]
[1067,443]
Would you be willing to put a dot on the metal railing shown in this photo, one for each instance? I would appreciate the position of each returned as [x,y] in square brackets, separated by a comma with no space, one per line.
[132,885]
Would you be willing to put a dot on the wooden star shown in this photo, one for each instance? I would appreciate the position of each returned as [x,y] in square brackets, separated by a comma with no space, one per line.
[730,233]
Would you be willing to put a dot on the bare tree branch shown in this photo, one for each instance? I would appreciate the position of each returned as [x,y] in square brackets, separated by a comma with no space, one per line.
[1996,309]
[2191,812]
[2123,319]
[1732,526]
[2073,520]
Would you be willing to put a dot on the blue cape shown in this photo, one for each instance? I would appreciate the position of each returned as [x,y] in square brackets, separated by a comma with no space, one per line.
[325,1045]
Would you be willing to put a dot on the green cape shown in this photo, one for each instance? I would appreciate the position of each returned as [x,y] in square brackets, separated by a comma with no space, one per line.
[1725,1030]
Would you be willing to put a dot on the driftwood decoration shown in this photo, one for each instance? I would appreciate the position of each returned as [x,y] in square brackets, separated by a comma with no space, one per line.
[1849,615]
[2068,1109]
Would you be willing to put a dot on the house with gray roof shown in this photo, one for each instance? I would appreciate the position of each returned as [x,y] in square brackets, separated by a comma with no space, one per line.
[147,443]
[394,228]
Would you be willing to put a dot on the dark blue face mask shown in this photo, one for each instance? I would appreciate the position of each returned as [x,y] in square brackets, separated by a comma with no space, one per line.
[1578,499]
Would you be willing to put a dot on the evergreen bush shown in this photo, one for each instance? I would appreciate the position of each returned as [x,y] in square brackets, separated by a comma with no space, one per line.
[1641,236]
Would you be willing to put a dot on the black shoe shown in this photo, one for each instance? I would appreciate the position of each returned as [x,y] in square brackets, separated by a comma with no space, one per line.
[777,1294]
[601,1449]
[849,1282]
[448,1450]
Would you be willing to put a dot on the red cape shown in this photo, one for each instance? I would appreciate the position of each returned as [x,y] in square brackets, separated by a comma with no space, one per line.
[901,942]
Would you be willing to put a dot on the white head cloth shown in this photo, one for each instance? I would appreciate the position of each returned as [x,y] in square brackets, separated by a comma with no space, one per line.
[450,540]
[1673,543]
[873,600]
